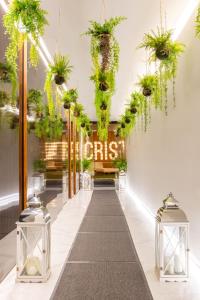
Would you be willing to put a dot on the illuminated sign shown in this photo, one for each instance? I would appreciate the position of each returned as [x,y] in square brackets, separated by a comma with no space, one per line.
[103,151]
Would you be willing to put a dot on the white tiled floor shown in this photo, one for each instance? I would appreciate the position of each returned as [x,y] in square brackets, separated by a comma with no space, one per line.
[64,230]
[141,225]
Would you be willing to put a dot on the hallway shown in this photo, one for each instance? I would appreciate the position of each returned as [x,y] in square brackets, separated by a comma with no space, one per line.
[103,263]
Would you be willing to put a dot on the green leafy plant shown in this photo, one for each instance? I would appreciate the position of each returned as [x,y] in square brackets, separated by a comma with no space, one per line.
[151,88]
[78,108]
[39,165]
[9,75]
[165,51]
[4,99]
[197,23]
[49,128]
[86,164]
[69,97]
[105,58]
[59,72]
[35,104]
[24,18]
[121,164]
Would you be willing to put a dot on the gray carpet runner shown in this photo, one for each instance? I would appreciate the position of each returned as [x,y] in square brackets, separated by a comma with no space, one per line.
[103,263]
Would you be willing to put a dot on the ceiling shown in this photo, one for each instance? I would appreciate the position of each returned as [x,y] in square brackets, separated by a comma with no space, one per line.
[68,19]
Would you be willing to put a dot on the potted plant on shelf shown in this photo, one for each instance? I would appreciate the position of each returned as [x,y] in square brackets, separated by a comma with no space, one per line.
[35,104]
[121,165]
[23,19]
[38,178]
[86,181]
[4,99]
[8,75]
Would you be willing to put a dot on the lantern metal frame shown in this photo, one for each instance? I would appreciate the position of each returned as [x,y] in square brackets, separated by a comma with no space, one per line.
[163,221]
[34,243]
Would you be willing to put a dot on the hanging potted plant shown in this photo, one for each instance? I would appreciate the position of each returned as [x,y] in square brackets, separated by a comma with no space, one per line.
[103,105]
[58,72]
[166,51]
[24,18]
[78,108]
[148,84]
[60,69]
[105,57]
[69,97]
[35,104]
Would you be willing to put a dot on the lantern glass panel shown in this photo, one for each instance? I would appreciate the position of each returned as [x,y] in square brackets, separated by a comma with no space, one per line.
[30,260]
[174,249]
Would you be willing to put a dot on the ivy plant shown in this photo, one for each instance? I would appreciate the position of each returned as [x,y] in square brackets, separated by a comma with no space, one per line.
[24,18]
[105,57]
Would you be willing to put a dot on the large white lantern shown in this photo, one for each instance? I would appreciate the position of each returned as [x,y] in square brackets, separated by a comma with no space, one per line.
[33,243]
[86,181]
[172,252]
[122,181]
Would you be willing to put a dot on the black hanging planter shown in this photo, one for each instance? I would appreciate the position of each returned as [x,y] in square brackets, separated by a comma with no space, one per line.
[103,106]
[67,105]
[147,92]
[162,52]
[103,86]
[59,80]
[123,125]
[133,110]
[127,120]
[83,124]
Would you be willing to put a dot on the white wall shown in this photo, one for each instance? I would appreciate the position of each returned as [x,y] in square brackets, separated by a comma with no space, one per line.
[167,157]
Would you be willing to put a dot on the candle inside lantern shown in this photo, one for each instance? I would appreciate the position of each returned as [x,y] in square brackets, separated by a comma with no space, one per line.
[33,266]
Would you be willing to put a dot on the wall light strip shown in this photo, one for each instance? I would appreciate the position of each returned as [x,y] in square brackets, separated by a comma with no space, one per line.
[42,50]
[184,18]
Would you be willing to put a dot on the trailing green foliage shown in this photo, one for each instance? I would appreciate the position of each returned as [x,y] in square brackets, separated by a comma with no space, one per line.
[59,72]
[8,75]
[83,124]
[165,53]
[164,49]
[197,23]
[24,17]
[86,164]
[35,103]
[49,128]
[39,165]
[77,109]
[121,164]
[69,97]
[151,88]
[105,58]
